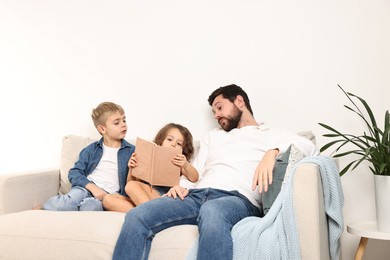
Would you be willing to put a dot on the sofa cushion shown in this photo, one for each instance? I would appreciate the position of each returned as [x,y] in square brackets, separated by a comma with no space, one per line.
[295,156]
[80,235]
[59,235]
[283,165]
[71,148]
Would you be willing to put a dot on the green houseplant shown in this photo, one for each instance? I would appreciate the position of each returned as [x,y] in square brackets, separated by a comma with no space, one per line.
[373,146]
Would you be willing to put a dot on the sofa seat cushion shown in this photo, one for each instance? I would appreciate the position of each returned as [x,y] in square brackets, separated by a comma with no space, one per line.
[80,235]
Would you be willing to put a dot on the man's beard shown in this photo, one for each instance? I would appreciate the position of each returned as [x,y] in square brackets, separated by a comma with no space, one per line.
[232,121]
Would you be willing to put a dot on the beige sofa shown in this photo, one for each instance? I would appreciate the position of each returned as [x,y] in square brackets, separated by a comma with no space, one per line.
[37,234]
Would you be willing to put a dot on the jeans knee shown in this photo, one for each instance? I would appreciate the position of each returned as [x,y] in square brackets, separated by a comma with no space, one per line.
[58,203]
[210,218]
[136,217]
[91,204]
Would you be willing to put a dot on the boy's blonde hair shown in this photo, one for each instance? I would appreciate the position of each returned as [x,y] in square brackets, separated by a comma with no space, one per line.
[103,110]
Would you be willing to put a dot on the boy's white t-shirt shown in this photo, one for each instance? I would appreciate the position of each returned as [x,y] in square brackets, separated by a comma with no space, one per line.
[105,174]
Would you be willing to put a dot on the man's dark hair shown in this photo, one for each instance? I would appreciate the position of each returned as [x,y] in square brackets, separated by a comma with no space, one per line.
[230,92]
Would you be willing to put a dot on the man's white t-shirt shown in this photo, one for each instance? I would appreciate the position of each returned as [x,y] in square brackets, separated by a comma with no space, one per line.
[228,160]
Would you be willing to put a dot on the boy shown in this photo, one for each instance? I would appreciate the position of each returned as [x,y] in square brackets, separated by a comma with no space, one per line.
[102,166]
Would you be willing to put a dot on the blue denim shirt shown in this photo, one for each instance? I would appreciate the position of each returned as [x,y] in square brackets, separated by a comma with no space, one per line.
[89,158]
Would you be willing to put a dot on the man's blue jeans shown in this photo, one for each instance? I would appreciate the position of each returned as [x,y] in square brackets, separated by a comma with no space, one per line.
[214,211]
[77,199]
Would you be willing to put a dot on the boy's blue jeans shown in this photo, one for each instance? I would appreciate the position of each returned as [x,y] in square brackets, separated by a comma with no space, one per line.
[77,199]
[214,211]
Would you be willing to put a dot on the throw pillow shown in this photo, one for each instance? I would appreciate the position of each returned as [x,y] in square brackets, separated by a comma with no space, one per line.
[295,156]
[308,135]
[284,163]
[71,148]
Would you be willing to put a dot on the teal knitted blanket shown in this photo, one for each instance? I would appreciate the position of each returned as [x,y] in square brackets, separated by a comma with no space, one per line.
[275,236]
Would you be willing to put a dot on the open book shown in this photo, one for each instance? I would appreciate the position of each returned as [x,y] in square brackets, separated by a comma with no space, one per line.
[155,165]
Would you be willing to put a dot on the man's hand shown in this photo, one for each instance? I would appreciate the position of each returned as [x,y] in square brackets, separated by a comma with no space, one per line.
[177,191]
[263,174]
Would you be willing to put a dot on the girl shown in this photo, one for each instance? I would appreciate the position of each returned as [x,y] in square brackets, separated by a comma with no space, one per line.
[139,191]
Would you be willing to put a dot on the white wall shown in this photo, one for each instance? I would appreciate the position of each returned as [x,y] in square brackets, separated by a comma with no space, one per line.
[161,59]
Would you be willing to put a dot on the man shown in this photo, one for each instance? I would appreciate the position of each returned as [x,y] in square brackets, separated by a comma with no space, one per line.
[233,161]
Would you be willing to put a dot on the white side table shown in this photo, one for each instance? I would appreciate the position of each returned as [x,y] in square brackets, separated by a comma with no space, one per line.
[366,230]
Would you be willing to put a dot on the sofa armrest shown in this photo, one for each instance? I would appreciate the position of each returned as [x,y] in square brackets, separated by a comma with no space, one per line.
[26,190]
[310,212]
